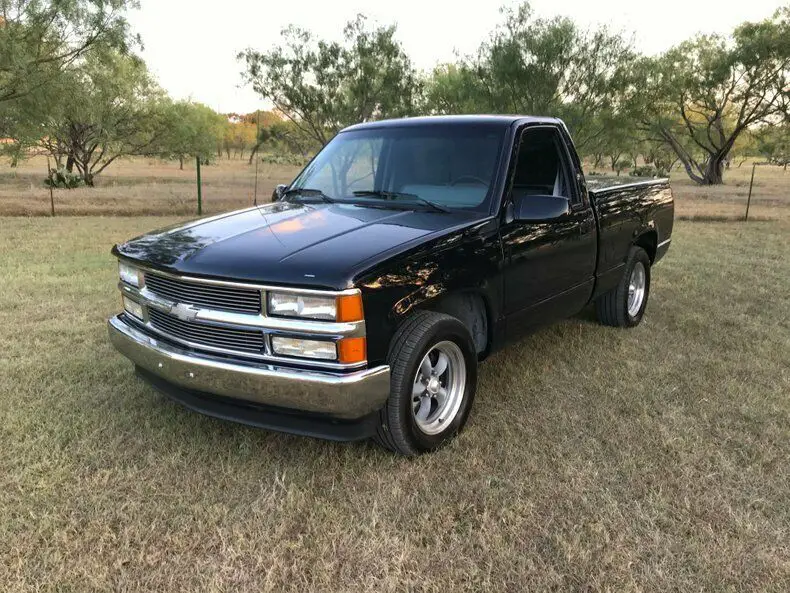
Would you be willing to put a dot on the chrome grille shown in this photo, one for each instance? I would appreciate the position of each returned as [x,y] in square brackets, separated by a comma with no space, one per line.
[209,296]
[214,336]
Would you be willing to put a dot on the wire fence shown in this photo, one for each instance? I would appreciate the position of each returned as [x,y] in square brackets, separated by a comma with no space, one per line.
[142,187]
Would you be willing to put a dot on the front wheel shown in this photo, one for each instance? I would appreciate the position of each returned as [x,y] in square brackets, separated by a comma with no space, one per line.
[433,370]
[625,304]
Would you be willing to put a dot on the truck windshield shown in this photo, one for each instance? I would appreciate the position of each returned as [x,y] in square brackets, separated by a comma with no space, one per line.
[451,166]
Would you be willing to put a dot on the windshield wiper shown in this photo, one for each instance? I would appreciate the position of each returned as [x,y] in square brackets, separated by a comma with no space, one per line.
[394,195]
[309,192]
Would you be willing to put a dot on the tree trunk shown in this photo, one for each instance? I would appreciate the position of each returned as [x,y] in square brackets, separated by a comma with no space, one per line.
[70,163]
[181,162]
[86,173]
[253,152]
[714,171]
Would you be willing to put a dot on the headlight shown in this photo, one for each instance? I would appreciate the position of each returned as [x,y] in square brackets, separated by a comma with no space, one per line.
[285,304]
[324,308]
[133,308]
[130,274]
[304,348]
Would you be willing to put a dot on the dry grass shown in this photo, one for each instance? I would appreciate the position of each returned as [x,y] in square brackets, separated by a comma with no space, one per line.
[655,459]
[770,195]
[140,187]
[151,187]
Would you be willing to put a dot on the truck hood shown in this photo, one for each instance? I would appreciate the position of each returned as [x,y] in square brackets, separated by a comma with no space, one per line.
[323,245]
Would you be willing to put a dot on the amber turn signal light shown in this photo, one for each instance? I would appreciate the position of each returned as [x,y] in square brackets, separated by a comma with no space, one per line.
[351,350]
[349,307]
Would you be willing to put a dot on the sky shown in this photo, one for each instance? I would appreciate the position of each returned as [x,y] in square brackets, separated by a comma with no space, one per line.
[191,45]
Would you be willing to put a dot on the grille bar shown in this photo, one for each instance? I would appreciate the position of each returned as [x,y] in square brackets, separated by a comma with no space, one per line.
[240,340]
[205,289]
[227,298]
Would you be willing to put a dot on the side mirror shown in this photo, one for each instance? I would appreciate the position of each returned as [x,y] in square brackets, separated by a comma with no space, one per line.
[540,208]
[279,192]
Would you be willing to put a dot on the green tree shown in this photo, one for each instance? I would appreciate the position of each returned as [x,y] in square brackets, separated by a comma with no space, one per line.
[701,96]
[17,127]
[773,143]
[39,39]
[322,86]
[265,135]
[661,157]
[540,67]
[108,108]
[189,130]
[616,139]
[457,88]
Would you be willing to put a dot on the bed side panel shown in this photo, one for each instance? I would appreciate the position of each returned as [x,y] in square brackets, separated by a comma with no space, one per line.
[625,213]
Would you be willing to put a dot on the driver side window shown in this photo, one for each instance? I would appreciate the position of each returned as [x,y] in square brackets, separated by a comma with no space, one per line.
[542,166]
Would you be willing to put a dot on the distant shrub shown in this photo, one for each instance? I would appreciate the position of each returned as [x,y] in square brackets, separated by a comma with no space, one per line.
[63,179]
[621,166]
[594,174]
[648,171]
[284,158]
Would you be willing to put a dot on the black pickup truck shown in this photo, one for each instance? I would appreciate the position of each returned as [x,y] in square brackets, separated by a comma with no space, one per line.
[359,303]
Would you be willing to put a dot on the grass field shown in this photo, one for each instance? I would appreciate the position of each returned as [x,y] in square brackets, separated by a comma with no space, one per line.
[141,187]
[656,459]
[151,187]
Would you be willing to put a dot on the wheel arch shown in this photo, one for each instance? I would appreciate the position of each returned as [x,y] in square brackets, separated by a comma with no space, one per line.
[648,240]
[473,309]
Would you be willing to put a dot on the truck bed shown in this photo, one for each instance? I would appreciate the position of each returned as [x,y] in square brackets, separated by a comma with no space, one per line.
[628,207]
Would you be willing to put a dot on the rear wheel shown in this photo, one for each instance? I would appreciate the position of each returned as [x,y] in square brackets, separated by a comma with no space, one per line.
[433,370]
[625,304]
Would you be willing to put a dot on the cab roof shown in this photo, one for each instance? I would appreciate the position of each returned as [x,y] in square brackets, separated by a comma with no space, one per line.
[461,120]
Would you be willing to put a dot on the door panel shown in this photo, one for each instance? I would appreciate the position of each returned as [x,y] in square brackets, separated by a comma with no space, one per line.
[549,266]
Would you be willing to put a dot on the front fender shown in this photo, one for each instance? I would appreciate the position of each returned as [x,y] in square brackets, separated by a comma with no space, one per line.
[420,279]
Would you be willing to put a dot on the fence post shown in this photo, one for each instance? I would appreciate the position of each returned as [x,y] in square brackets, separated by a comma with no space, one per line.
[257,139]
[51,195]
[199,187]
[749,199]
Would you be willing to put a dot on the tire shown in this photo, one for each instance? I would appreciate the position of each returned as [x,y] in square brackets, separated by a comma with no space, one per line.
[411,424]
[612,307]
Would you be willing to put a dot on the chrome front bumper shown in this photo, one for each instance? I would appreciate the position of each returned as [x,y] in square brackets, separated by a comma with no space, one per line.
[341,395]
